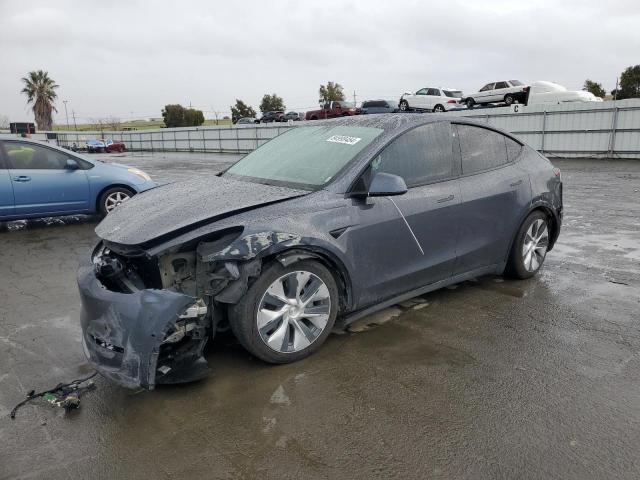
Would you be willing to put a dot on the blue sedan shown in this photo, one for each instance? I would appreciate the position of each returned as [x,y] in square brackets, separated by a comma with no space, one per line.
[39,180]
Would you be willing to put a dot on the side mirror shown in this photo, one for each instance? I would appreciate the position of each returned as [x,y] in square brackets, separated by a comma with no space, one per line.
[386,185]
[71,164]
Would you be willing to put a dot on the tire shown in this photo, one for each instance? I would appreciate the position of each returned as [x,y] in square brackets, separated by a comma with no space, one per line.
[509,99]
[109,199]
[470,103]
[121,149]
[529,247]
[438,109]
[284,330]
[404,106]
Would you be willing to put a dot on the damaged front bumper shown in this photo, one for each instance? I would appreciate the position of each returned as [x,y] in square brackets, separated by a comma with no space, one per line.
[142,338]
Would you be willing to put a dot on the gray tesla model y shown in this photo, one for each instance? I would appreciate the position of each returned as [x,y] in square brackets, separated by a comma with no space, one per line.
[319,226]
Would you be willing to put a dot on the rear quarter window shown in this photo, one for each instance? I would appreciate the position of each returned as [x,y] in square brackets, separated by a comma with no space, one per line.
[513,149]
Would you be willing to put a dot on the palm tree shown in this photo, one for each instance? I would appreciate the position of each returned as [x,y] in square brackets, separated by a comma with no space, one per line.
[40,90]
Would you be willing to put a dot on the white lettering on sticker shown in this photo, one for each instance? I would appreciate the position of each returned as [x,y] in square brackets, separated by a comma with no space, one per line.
[343,139]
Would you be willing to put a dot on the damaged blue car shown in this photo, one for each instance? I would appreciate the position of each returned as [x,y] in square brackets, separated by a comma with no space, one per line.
[318,227]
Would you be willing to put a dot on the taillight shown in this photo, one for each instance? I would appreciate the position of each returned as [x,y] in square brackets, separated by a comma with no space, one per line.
[557,173]
[526,89]
[451,101]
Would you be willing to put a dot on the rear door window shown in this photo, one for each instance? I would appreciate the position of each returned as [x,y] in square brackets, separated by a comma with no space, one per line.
[434,92]
[501,85]
[481,149]
[420,156]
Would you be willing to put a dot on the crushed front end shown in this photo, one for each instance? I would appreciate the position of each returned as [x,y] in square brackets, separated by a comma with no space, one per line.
[135,333]
[146,318]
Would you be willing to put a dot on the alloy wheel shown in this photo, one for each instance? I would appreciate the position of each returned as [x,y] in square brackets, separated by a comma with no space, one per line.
[535,244]
[115,199]
[293,312]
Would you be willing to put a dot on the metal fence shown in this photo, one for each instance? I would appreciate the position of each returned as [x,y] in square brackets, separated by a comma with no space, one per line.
[221,139]
[607,129]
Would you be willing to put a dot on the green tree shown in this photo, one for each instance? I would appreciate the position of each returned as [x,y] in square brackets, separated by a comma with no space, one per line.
[40,90]
[331,92]
[175,115]
[594,87]
[240,110]
[193,117]
[271,102]
[629,86]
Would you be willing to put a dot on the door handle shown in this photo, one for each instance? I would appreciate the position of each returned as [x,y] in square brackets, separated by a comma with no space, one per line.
[446,199]
[515,184]
[22,178]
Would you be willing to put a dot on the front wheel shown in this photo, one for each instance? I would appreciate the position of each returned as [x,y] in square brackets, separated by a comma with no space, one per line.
[530,247]
[112,198]
[288,312]
[404,106]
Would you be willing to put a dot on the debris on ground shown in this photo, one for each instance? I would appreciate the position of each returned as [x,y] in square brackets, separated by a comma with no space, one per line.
[63,395]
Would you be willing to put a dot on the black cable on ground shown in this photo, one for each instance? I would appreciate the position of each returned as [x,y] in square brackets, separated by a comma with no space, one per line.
[60,390]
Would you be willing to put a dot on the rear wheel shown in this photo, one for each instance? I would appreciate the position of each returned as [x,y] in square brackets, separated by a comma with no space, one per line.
[112,198]
[288,313]
[470,102]
[438,108]
[509,99]
[530,246]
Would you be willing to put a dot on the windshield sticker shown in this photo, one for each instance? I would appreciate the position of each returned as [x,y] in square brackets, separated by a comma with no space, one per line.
[343,139]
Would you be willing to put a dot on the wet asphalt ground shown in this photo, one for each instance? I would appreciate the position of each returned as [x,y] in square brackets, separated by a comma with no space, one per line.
[487,379]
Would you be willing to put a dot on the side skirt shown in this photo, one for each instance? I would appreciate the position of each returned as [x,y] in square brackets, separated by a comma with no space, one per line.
[478,272]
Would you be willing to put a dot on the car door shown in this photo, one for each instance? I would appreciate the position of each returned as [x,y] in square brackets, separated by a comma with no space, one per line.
[499,91]
[420,99]
[6,189]
[42,183]
[419,228]
[432,98]
[495,193]
[484,94]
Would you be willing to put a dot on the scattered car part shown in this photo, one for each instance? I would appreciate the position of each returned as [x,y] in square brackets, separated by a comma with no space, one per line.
[64,395]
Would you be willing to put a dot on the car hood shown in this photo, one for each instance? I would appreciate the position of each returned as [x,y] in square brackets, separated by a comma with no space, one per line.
[171,209]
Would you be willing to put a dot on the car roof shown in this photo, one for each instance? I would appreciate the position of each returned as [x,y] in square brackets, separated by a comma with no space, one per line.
[390,123]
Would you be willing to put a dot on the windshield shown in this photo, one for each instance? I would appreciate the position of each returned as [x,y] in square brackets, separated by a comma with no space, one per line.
[516,83]
[304,157]
[453,93]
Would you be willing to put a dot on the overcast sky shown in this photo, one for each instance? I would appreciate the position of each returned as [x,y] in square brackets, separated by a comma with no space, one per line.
[129,59]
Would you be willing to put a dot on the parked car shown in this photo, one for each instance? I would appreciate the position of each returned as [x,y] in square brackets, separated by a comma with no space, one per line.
[549,92]
[39,180]
[247,120]
[332,110]
[111,146]
[431,99]
[95,146]
[378,106]
[325,223]
[293,116]
[506,91]
[273,116]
